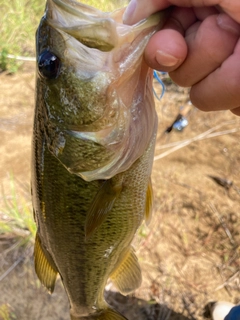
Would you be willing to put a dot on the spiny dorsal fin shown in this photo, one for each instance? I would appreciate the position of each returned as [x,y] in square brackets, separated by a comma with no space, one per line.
[44,266]
[102,204]
[149,203]
[127,274]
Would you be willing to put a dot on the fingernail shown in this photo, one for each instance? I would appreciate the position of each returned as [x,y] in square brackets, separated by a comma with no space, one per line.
[228,24]
[166,59]
[129,11]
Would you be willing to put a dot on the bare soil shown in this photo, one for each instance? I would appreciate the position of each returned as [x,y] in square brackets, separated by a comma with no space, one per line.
[189,253]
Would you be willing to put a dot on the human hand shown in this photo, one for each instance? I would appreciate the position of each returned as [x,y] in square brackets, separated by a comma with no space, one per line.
[199,46]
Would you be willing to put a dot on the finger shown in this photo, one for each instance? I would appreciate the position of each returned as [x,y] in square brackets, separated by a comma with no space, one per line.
[236,111]
[220,90]
[209,44]
[140,9]
[167,49]
[232,8]
[203,12]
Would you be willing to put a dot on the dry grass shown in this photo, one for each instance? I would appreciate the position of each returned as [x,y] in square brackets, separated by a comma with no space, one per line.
[16,216]
[190,252]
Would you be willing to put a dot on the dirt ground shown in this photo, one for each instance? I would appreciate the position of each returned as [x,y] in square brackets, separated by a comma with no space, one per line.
[190,252]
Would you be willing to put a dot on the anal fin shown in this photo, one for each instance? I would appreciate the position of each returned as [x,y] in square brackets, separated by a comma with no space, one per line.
[101,205]
[127,274]
[149,203]
[44,266]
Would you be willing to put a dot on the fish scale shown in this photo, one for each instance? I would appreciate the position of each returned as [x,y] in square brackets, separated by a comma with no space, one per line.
[93,145]
[84,266]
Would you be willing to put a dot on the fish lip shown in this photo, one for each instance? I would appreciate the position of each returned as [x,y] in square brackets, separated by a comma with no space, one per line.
[92,27]
[56,9]
[71,7]
[83,12]
[88,25]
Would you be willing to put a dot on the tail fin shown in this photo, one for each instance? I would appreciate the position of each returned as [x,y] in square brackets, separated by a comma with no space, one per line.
[106,314]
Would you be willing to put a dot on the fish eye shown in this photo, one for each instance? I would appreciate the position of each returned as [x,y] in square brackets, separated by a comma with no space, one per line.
[49,64]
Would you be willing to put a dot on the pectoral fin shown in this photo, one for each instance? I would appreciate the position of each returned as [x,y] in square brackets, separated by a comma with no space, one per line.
[149,203]
[102,204]
[44,266]
[127,275]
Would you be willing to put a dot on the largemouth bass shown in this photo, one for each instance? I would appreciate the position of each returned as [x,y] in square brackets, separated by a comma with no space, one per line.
[94,134]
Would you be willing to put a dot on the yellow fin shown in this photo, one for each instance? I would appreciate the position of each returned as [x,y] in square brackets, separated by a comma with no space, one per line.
[44,266]
[110,314]
[149,203]
[107,314]
[102,204]
[127,275]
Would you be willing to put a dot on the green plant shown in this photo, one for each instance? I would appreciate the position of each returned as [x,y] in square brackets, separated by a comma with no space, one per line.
[16,215]
[6,313]
[18,23]
[105,5]
[6,64]
[3,60]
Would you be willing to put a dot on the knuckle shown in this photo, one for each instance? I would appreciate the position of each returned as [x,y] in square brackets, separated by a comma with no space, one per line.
[182,79]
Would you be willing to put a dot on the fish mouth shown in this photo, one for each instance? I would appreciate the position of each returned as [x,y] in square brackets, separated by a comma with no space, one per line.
[78,9]
[101,59]
[91,27]
[96,29]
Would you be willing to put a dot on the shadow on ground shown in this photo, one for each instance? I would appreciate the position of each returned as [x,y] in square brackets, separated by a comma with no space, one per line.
[133,308]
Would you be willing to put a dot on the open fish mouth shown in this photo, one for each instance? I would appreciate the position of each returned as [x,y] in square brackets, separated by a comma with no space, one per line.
[82,23]
[92,27]
[98,102]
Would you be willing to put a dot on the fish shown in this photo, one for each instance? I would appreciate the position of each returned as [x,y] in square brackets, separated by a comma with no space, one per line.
[93,143]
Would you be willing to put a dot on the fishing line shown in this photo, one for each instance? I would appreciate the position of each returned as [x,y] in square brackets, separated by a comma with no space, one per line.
[156,75]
